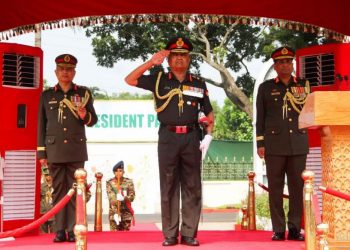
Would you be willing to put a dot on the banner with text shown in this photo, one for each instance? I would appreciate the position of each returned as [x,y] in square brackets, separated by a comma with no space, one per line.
[124,121]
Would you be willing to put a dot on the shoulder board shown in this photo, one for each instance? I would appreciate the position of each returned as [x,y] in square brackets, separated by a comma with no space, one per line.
[81,87]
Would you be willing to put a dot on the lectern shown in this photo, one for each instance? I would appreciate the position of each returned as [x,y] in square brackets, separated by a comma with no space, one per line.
[329,112]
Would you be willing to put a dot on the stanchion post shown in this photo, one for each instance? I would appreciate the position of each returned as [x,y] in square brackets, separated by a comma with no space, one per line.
[309,215]
[322,230]
[98,203]
[251,202]
[80,229]
[244,223]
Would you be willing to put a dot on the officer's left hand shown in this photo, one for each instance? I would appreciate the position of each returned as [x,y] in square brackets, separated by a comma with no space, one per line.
[204,146]
[120,197]
[82,112]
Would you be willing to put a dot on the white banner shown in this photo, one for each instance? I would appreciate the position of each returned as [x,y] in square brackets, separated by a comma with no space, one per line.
[124,121]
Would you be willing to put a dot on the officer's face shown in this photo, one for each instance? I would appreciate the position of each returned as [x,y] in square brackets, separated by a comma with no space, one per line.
[119,173]
[179,61]
[65,74]
[284,67]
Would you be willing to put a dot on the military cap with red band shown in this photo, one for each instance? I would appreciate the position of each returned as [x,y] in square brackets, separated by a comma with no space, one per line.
[66,60]
[283,53]
[179,45]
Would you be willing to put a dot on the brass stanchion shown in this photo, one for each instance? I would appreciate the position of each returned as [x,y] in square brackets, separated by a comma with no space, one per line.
[309,216]
[322,230]
[98,203]
[80,228]
[244,222]
[251,202]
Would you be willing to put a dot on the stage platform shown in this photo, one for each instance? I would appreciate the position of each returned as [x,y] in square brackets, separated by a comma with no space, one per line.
[216,231]
[151,238]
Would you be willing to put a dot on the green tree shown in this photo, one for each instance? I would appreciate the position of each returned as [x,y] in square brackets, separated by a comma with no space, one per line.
[227,48]
[274,37]
[222,46]
[131,96]
[99,93]
[232,124]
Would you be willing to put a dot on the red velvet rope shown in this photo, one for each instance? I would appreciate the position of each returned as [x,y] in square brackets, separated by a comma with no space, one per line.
[335,193]
[19,231]
[268,190]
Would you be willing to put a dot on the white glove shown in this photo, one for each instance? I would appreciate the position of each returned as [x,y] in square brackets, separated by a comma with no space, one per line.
[120,197]
[204,146]
[117,219]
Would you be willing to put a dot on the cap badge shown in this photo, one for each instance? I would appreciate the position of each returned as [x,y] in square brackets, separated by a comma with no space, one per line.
[179,42]
[284,51]
[66,58]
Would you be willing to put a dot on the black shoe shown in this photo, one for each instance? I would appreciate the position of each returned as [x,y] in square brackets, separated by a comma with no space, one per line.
[278,236]
[189,241]
[60,236]
[169,241]
[71,236]
[294,234]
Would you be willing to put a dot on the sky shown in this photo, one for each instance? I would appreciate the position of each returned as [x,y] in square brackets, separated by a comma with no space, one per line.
[73,41]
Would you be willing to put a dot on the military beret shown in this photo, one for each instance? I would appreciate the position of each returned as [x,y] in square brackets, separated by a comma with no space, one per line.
[66,60]
[45,170]
[179,45]
[283,53]
[119,165]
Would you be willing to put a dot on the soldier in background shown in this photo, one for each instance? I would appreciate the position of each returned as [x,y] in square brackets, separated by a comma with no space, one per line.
[46,200]
[281,143]
[64,111]
[120,192]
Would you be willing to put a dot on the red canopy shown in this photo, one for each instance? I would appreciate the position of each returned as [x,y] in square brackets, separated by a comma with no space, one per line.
[331,14]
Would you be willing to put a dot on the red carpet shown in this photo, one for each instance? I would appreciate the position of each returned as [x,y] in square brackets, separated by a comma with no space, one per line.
[151,238]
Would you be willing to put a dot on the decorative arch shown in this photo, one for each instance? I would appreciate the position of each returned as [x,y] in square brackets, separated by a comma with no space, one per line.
[330,18]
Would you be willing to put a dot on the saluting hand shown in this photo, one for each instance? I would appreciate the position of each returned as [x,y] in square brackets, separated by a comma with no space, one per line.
[159,57]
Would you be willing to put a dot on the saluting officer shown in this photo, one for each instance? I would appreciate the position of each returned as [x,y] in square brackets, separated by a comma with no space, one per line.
[281,143]
[64,110]
[120,192]
[178,98]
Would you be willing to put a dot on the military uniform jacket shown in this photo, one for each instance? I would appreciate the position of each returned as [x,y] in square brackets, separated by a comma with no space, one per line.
[61,133]
[277,117]
[194,96]
[127,190]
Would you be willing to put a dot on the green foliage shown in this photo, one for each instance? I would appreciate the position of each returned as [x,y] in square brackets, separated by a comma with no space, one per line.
[129,96]
[262,208]
[232,124]
[275,37]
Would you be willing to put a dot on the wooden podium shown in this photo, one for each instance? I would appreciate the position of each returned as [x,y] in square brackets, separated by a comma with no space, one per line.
[329,111]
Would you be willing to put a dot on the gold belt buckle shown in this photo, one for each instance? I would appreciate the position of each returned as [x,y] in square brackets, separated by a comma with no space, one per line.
[181,130]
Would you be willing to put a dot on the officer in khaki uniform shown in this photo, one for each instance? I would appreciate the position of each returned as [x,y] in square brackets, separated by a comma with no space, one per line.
[64,111]
[120,192]
[179,96]
[281,143]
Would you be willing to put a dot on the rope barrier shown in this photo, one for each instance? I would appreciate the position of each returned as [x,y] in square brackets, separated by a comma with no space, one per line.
[20,231]
[268,190]
[334,193]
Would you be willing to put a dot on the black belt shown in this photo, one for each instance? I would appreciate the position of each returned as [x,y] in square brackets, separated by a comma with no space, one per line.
[182,129]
